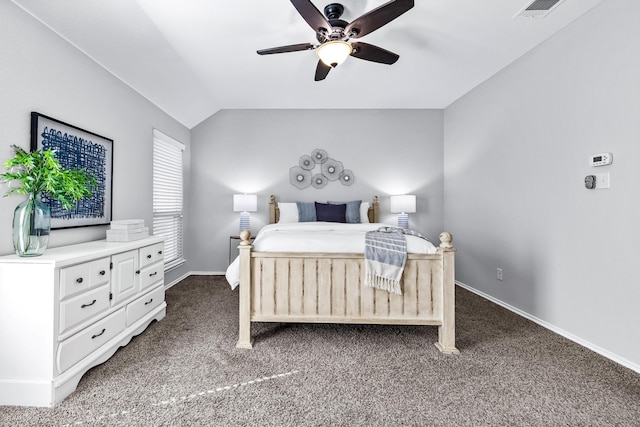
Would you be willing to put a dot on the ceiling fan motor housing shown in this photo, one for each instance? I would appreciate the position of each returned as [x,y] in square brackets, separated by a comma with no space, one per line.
[333,11]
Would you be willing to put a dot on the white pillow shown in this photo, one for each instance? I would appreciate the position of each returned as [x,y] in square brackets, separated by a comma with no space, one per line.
[288,212]
[364,212]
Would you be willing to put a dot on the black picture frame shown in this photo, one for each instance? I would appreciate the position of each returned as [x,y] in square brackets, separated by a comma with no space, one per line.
[76,147]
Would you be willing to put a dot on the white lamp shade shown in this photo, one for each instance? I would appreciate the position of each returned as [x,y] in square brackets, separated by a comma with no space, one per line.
[245,203]
[403,204]
[334,53]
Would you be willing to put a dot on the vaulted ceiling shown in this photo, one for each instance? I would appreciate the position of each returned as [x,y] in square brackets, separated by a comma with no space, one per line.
[194,57]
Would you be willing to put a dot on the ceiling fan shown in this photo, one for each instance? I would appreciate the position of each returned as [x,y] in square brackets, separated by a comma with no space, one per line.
[334,34]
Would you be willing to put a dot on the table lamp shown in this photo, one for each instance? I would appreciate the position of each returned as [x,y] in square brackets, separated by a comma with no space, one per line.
[245,203]
[403,205]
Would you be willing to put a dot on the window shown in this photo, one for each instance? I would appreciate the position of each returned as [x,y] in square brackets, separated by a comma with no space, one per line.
[167,196]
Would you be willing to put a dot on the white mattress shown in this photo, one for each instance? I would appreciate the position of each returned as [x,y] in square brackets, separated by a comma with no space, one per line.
[324,237]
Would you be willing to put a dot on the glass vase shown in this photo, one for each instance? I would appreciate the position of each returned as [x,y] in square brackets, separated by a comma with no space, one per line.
[31,226]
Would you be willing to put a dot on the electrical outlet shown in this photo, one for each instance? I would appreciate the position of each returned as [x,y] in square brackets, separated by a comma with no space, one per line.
[499,273]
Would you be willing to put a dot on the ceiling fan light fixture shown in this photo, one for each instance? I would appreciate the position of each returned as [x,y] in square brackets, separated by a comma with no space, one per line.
[333,53]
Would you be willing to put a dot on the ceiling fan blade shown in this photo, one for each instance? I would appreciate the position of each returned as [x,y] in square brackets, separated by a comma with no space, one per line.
[378,17]
[369,52]
[313,16]
[321,71]
[288,48]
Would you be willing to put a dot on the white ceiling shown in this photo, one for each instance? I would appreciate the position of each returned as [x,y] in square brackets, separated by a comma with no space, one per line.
[194,57]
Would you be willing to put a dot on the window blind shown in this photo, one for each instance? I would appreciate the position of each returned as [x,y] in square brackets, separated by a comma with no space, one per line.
[167,196]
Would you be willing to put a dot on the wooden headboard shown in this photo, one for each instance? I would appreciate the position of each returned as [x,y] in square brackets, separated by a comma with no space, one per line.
[274,212]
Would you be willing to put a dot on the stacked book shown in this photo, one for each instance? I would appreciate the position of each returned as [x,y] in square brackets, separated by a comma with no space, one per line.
[126,230]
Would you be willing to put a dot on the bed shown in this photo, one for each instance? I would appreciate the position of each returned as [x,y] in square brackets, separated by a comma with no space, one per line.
[327,287]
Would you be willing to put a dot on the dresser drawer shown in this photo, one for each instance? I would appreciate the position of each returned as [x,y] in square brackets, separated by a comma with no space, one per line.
[83,307]
[81,277]
[82,344]
[151,275]
[145,304]
[151,254]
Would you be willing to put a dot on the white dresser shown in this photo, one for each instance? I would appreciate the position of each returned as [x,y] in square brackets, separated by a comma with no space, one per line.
[69,310]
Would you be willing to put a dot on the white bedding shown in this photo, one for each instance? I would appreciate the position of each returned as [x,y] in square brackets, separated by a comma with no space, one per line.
[322,237]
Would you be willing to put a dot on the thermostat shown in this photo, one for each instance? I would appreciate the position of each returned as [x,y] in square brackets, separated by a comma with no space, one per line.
[600,159]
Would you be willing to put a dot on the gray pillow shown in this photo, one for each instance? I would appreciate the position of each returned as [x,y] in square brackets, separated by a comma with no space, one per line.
[352,213]
[306,212]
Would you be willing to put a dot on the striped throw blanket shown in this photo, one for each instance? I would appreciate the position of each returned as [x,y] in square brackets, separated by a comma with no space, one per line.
[385,254]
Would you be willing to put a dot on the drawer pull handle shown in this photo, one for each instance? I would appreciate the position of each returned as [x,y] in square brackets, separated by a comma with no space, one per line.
[79,280]
[149,256]
[102,272]
[159,252]
[88,305]
[97,335]
[137,271]
[149,302]
[153,274]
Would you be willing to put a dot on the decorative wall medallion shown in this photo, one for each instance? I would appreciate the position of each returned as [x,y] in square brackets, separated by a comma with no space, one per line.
[319,180]
[332,169]
[303,176]
[320,156]
[307,162]
[346,177]
[299,177]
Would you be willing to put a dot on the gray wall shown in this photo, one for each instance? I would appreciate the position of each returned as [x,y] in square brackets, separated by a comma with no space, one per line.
[516,152]
[251,151]
[41,72]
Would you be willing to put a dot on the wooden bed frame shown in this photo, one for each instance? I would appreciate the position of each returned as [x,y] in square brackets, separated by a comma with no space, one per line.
[329,288]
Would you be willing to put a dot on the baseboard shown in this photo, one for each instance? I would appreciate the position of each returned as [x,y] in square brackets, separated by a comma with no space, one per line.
[601,351]
[206,273]
[178,280]
[193,273]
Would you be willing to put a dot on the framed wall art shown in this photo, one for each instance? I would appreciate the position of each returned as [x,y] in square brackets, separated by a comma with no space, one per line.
[75,147]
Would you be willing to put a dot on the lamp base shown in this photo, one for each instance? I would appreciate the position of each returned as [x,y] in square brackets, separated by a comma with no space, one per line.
[244,221]
[403,220]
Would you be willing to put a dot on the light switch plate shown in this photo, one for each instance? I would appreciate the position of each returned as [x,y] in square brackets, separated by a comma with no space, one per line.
[602,181]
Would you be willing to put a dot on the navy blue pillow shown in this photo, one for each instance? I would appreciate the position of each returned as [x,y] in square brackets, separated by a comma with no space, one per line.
[331,213]
[352,213]
[306,212]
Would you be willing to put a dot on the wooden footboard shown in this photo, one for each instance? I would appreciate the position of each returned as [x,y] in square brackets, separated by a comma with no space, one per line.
[329,288]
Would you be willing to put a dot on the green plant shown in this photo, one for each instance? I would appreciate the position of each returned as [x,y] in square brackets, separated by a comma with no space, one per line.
[40,172]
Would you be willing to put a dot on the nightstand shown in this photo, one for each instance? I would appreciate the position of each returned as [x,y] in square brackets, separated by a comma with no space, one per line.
[234,242]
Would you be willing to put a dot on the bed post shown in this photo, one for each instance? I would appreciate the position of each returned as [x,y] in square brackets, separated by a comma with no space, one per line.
[447,331]
[244,310]
[274,212]
[375,209]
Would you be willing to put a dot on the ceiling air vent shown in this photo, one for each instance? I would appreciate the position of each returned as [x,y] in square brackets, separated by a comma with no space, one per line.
[538,8]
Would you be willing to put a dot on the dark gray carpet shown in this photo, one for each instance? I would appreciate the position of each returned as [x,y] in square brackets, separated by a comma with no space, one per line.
[186,371]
